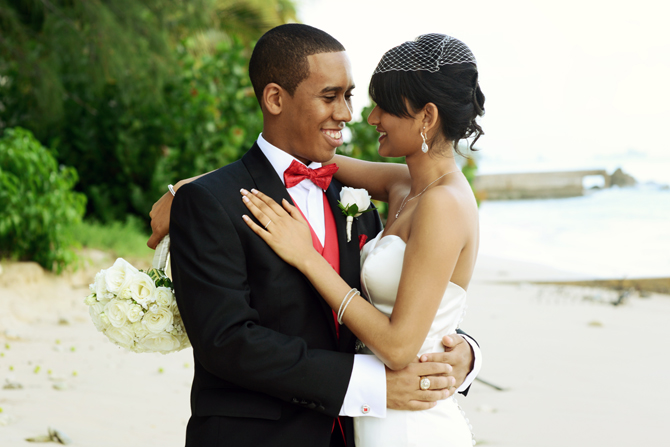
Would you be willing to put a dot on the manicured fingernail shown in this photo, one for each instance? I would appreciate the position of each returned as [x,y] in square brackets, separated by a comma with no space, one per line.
[254,191]
[424,358]
[244,192]
[245,217]
[245,199]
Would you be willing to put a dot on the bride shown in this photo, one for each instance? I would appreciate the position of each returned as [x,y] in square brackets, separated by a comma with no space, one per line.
[416,272]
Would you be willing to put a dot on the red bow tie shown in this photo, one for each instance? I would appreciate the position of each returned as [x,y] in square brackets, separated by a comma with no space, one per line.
[298,172]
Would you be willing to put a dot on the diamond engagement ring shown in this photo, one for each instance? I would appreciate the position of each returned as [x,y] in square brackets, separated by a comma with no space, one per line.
[425,383]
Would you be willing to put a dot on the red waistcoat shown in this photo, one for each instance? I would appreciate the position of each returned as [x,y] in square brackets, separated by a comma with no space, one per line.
[330,250]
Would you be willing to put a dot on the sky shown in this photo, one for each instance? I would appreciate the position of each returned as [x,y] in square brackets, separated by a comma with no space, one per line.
[568,84]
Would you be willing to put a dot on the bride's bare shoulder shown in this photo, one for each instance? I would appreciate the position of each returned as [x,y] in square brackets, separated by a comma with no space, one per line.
[451,205]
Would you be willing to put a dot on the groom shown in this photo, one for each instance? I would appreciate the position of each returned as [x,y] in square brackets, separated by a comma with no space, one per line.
[272,367]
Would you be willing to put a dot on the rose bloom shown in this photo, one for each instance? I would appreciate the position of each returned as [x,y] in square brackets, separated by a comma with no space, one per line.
[122,336]
[90,299]
[134,313]
[124,293]
[117,311]
[142,288]
[94,311]
[159,343]
[349,196]
[164,297]
[118,275]
[100,287]
[140,330]
[159,321]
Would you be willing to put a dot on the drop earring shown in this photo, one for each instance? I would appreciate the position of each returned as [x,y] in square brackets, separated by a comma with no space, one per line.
[424,145]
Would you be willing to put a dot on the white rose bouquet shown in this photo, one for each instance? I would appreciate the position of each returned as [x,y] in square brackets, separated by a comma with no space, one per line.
[353,202]
[137,310]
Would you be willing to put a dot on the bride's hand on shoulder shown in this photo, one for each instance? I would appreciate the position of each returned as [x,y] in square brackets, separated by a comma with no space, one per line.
[283,228]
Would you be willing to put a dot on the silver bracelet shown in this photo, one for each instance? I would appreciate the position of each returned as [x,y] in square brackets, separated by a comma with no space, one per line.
[171,188]
[345,302]
[339,311]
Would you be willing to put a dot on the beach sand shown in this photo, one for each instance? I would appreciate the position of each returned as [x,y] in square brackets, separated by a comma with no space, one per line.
[577,371]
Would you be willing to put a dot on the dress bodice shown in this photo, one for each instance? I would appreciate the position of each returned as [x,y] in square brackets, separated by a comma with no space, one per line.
[381,267]
[443,425]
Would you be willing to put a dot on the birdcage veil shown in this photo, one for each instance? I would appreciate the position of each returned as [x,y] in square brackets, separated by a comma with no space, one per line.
[427,52]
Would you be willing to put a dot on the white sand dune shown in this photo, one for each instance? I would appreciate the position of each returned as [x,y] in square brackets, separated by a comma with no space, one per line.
[577,372]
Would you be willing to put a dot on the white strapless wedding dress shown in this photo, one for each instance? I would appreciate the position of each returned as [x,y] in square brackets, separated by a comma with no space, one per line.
[445,424]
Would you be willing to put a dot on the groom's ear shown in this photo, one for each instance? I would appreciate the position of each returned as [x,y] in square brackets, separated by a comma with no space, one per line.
[272,98]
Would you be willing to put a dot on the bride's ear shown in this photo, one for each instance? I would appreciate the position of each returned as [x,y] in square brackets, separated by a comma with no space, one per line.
[431,117]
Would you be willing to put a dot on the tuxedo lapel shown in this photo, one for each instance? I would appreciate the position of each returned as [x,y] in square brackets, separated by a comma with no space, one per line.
[349,251]
[265,177]
[266,180]
[349,255]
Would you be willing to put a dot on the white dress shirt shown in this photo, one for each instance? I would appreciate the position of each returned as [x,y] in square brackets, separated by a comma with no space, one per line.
[366,393]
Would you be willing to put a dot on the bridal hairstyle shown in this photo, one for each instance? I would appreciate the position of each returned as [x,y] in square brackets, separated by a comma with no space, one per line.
[280,56]
[433,68]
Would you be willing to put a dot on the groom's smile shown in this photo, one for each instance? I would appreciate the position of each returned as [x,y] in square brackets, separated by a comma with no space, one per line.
[313,118]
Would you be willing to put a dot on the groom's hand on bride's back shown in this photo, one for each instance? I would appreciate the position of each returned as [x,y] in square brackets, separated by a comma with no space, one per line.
[403,390]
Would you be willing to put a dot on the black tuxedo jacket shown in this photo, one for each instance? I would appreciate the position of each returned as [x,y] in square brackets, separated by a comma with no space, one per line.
[269,369]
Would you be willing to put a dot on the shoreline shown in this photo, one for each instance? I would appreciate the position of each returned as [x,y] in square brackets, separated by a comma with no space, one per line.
[660,285]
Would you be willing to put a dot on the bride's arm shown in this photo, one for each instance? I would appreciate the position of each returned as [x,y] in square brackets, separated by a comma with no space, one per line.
[377,178]
[160,213]
[428,265]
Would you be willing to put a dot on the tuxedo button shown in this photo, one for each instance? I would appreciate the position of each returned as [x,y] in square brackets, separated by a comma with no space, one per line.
[365,409]
[311,405]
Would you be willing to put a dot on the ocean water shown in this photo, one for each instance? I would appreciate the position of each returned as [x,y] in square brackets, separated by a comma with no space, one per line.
[610,233]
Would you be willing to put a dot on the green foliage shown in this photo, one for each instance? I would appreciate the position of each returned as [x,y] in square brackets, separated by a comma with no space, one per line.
[37,202]
[87,77]
[116,87]
[212,115]
[159,277]
[469,170]
[58,59]
[126,239]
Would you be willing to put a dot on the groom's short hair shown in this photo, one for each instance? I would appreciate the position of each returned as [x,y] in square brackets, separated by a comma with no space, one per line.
[280,56]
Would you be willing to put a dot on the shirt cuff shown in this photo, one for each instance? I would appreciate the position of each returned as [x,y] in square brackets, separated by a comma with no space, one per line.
[366,393]
[477,353]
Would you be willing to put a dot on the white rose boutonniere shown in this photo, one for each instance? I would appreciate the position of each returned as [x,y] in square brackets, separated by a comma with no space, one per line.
[353,202]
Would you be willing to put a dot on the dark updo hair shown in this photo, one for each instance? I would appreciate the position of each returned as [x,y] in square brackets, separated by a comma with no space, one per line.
[280,56]
[454,89]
